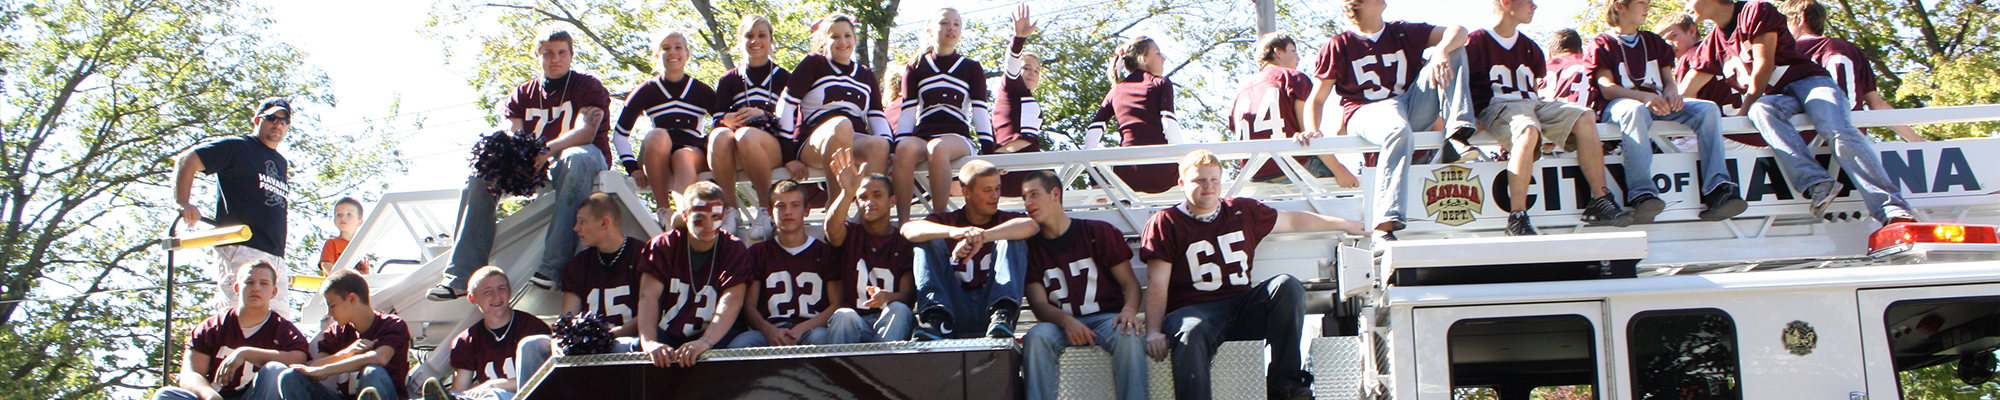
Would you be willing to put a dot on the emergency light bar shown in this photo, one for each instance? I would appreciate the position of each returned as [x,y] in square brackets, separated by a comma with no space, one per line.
[1901,237]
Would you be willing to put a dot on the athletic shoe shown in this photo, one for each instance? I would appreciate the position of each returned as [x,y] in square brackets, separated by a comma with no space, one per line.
[762,228]
[542,281]
[729,220]
[1378,241]
[1290,393]
[666,218]
[1518,225]
[444,292]
[1723,203]
[1603,211]
[434,390]
[1898,216]
[932,326]
[1822,196]
[368,393]
[1451,151]
[1002,328]
[1645,208]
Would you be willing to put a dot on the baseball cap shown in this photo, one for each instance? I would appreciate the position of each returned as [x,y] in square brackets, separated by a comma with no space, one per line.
[271,105]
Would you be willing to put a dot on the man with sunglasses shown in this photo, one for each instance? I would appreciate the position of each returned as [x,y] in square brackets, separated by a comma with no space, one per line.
[252,190]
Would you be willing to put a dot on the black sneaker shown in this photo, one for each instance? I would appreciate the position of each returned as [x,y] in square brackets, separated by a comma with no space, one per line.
[1645,208]
[1002,327]
[433,390]
[1518,225]
[1290,393]
[1378,241]
[1822,196]
[1449,153]
[542,281]
[1723,203]
[1898,216]
[368,393]
[932,326]
[444,292]
[1603,211]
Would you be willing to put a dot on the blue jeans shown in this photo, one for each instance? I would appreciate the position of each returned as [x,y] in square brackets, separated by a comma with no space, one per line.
[893,323]
[297,386]
[1044,345]
[572,178]
[938,289]
[1390,122]
[538,349]
[264,387]
[1636,122]
[1274,312]
[1824,103]
[755,338]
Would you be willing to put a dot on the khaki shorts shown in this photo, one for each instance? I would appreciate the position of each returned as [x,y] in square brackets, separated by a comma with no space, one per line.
[1504,119]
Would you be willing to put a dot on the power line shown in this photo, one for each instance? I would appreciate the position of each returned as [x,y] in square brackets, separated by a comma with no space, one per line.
[106,291]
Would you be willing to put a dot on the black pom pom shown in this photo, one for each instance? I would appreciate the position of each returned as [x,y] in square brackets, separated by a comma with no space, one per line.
[507,162]
[583,334]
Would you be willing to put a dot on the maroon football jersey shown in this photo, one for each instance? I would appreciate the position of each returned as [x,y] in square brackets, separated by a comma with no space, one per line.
[1845,61]
[1757,17]
[692,292]
[1269,105]
[1367,69]
[1073,267]
[550,111]
[1703,58]
[607,290]
[677,107]
[1637,64]
[1502,68]
[488,357]
[1016,114]
[1142,107]
[1211,260]
[222,334]
[792,285]
[821,88]
[743,87]
[1567,79]
[387,330]
[975,274]
[873,260]
[945,95]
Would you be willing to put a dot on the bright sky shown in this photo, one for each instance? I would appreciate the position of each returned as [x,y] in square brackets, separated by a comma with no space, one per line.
[372,67]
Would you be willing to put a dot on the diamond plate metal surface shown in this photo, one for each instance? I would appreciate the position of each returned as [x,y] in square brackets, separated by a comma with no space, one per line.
[1238,370]
[1336,367]
[781,352]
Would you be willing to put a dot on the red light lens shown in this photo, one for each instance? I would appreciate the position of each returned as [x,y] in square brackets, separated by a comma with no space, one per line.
[1913,232]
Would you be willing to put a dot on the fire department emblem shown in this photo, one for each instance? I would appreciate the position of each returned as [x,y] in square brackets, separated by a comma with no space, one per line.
[1452,196]
[1799,338]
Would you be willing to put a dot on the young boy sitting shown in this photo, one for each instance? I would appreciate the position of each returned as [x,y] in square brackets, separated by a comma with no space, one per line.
[374,344]
[239,353]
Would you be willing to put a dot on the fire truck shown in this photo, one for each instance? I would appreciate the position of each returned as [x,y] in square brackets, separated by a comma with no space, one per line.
[1776,303]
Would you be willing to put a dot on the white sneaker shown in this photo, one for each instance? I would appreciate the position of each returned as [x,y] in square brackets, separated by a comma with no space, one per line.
[665,217]
[762,228]
[729,221]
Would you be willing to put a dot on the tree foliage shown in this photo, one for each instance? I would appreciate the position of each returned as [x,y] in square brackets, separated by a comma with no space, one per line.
[99,98]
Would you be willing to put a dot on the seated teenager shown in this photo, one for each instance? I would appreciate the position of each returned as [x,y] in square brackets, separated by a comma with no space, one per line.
[600,280]
[970,267]
[482,357]
[876,259]
[692,281]
[364,353]
[1198,258]
[1083,291]
[798,282]
[239,353]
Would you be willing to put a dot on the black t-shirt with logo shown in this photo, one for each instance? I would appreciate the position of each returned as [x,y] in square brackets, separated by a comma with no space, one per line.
[254,188]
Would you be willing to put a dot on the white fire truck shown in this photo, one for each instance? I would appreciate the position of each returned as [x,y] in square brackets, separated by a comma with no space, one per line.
[1773,304]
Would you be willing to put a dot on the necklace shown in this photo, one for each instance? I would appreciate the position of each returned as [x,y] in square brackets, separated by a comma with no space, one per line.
[501,334]
[608,262]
